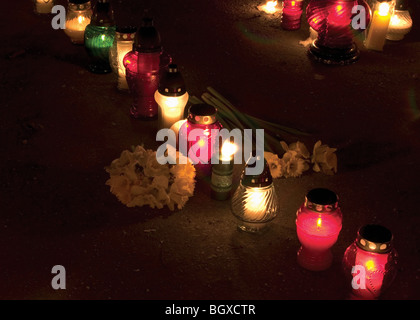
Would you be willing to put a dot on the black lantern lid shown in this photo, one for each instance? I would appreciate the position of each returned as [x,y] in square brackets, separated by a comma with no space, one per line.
[125,33]
[321,200]
[78,1]
[126,29]
[147,38]
[103,14]
[202,114]
[374,238]
[264,179]
[172,83]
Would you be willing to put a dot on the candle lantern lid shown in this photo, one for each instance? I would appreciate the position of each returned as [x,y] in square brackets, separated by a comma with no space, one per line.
[147,37]
[172,83]
[103,14]
[125,33]
[79,1]
[202,114]
[374,238]
[264,179]
[321,200]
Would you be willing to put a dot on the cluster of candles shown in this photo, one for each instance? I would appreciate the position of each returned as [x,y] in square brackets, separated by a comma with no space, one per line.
[136,56]
[331,23]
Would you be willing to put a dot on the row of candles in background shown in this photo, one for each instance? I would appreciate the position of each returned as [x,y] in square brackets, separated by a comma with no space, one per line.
[332,30]
[144,69]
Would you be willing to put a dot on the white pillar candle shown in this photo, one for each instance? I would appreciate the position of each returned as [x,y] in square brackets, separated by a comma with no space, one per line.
[379,27]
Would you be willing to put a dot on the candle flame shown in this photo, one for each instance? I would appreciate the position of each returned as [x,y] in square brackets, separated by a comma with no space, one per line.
[80,19]
[254,204]
[269,7]
[370,265]
[383,9]
[201,143]
[319,222]
[228,149]
[395,20]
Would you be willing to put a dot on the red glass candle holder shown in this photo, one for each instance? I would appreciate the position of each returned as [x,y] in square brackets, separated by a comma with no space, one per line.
[292,13]
[318,225]
[332,19]
[144,66]
[370,262]
[202,117]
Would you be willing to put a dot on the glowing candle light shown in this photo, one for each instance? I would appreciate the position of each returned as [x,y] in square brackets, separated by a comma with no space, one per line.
[400,24]
[123,43]
[374,258]
[378,28]
[318,225]
[43,6]
[254,202]
[99,36]
[171,97]
[221,178]
[269,7]
[204,118]
[333,24]
[78,16]
[291,15]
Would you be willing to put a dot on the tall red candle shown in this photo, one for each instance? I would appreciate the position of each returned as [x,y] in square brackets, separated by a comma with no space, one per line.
[318,225]
[144,65]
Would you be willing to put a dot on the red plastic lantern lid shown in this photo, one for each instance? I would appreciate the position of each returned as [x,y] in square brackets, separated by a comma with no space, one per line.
[374,238]
[321,200]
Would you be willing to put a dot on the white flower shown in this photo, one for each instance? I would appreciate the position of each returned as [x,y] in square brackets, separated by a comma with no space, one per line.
[138,179]
[275,164]
[294,164]
[298,147]
[324,159]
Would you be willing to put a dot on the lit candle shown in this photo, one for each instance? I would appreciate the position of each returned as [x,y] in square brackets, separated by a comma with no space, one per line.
[379,27]
[255,203]
[318,225]
[370,262]
[204,118]
[291,16]
[78,16]
[269,7]
[399,25]
[123,43]
[221,177]
[171,97]
[44,6]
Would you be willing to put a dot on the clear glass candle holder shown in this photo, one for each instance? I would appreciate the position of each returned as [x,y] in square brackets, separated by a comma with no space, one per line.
[255,203]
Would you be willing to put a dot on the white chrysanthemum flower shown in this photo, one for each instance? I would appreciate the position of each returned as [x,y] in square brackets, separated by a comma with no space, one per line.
[138,179]
[324,158]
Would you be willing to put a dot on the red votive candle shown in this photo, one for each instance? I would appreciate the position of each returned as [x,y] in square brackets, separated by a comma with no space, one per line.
[318,225]
[201,117]
[370,262]
[292,13]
